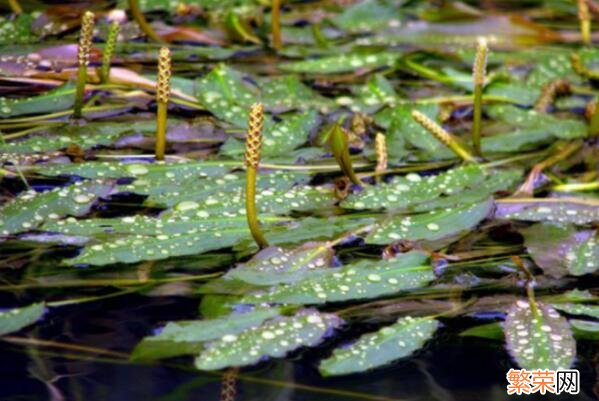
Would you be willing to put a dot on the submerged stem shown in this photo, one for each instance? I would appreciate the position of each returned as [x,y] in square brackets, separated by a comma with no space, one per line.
[15,6]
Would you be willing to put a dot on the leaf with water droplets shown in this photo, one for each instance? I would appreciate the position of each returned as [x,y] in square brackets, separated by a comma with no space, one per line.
[578,211]
[342,63]
[365,279]
[578,309]
[376,349]
[560,250]
[539,338]
[367,16]
[30,209]
[275,265]
[17,30]
[274,338]
[413,189]
[57,138]
[61,98]
[15,319]
[431,226]
[186,337]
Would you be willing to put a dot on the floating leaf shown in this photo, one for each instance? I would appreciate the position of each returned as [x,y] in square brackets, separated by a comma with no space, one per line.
[185,337]
[372,350]
[579,309]
[15,319]
[85,137]
[367,16]
[342,63]
[275,265]
[361,280]
[562,249]
[61,98]
[413,189]
[17,30]
[430,226]
[274,338]
[30,209]
[554,210]
[539,338]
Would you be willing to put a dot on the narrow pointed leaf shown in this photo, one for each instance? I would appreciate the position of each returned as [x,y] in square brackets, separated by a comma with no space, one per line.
[15,319]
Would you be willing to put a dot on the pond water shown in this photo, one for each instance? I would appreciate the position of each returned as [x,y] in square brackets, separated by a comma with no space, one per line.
[450,368]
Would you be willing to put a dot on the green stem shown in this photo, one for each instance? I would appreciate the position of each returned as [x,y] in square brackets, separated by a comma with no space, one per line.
[142,22]
[161,115]
[250,207]
[275,24]
[80,90]
[15,6]
[594,123]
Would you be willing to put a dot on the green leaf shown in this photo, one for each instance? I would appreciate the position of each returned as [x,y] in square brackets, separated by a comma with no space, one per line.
[30,209]
[585,329]
[17,31]
[402,127]
[367,16]
[560,250]
[15,319]
[491,331]
[275,265]
[226,95]
[342,63]
[434,225]
[413,189]
[360,280]
[578,309]
[376,349]
[539,338]
[186,337]
[61,98]
[578,211]
[376,93]
[288,92]
[86,137]
[274,338]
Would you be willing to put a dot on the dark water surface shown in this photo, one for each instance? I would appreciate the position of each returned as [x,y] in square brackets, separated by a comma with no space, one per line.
[450,368]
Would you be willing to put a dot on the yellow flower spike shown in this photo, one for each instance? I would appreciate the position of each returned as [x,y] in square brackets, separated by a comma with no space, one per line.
[478,75]
[113,34]
[85,44]
[380,145]
[145,27]
[340,149]
[163,92]
[549,92]
[275,24]
[15,6]
[442,136]
[584,16]
[253,146]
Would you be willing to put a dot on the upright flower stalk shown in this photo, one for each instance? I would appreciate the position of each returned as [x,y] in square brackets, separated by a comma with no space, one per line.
[443,136]
[584,16]
[478,74]
[85,44]
[275,24]
[253,145]
[380,145]
[145,27]
[113,34]
[163,92]
[340,149]
[15,6]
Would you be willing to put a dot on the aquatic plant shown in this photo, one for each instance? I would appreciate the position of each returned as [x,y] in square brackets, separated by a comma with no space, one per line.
[163,94]
[83,54]
[253,145]
[111,39]
[478,77]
